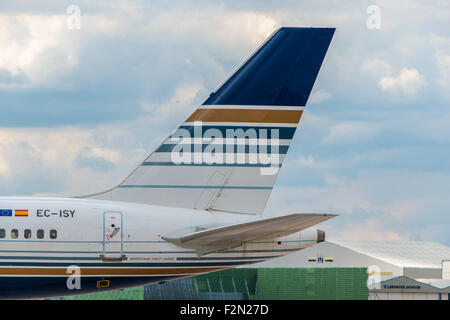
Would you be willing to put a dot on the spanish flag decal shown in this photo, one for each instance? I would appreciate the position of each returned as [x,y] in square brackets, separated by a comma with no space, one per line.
[21,213]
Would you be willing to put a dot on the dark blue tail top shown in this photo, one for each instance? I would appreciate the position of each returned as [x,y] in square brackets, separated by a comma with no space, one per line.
[280,73]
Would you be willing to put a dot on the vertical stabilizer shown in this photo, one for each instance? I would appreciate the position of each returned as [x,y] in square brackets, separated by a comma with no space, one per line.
[226,155]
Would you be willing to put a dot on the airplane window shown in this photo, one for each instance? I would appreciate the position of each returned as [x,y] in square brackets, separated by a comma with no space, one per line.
[14,233]
[27,233]
[53,234]
[40,234]
[2,233]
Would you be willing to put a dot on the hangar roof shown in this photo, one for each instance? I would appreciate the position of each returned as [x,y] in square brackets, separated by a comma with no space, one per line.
[441,284]
[410,254]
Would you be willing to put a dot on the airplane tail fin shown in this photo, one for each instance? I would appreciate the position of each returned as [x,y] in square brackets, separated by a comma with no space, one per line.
[226,155]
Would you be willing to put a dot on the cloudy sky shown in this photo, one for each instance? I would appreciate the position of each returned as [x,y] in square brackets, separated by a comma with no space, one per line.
[82,102]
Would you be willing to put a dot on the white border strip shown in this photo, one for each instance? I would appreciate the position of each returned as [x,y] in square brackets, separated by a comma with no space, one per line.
[243,124]
[226,106]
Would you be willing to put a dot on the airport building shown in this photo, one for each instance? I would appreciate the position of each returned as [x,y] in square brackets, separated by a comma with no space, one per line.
[395,270]
[404,288]
[383,259]
[332,270]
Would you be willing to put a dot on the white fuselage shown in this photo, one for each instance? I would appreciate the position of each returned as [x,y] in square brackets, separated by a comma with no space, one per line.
[111,245]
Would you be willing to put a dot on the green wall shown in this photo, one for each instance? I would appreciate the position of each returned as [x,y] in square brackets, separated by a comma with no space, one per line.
[256,284]
[232,280]
[136,293]
[312,284]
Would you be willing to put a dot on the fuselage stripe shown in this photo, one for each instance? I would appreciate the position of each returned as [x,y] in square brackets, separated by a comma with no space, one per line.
[124,264]
[20,271]
[99,259]
[155,252]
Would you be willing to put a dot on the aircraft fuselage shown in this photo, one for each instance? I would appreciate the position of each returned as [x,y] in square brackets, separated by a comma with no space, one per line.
[63,246]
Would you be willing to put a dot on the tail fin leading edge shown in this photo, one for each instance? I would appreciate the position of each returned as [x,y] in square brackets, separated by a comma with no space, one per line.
[227,154]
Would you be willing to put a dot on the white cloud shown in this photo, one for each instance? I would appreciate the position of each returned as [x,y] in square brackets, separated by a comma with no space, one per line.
[381,204]
[319,96]
[441,47]
[408,82]
[43,48]
[184,96]
[244,29]
[371,229]
[351,132]
[27,41]
[377,66]
[308,161]
[44,161]
[4,167]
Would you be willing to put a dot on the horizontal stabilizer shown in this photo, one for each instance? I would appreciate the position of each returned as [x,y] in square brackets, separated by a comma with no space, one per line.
[221,238]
